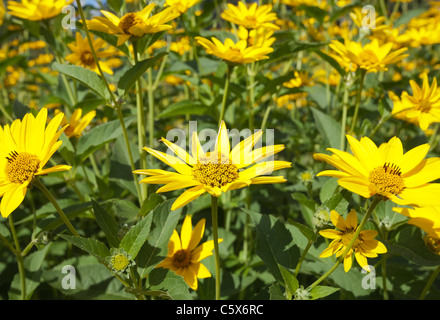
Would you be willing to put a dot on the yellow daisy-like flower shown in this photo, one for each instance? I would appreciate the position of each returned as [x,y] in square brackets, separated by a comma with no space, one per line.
[234,53]
[36,10]
[185,253]
[82,54]
[181,6]
[76,124]
[214,172]
[133,24]
[365,246]
[2,12]
[372,57]
[26,147]
[426,218]
[404,178]
[250,17]
[423,107]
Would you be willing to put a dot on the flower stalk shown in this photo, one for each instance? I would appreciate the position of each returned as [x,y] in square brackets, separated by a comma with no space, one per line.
[214,211]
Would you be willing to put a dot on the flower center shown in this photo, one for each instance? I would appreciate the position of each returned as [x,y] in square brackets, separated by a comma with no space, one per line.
[181,258]
[250,22]
[87,58]
[128,21]
[387,179]
[21,166]
[215,171]
[347,236]
[368,58]
[424,105]
[119,262]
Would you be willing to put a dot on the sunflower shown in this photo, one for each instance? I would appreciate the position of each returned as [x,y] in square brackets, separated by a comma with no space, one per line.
[27,146]
[365,246]
[372,57]
[76,124]
[214,172]
[133,24]
[250,17]
[185,253]
[82,54]
[36,10]
[234,53]
[423,106]
[386,171]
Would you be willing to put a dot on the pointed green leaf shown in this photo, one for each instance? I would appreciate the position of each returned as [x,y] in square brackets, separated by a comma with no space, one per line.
[290,281]
[107,223]
[319,292]
[135,238]
[92,246]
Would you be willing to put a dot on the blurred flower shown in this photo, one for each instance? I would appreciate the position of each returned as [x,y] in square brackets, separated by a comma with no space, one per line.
[214,172]
[82,54]
[365,246]
[386,171]
[185,253]
[2,12]
[260,37]
[250,17]
[36,10]
[234,53]
[76,124]
[433,243]
[181,6]
[372,57]
[133,24]
[423,107]
[27,146]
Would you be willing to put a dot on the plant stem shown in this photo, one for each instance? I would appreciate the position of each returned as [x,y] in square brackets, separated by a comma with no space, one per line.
[358,100]
[36,182]
[214,210]
[225,93]
[19,256]
[344,117]
[303,256]
[384,276]
[429,283]
[373,205]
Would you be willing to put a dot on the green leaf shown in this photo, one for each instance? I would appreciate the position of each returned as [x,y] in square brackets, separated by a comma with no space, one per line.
[276,293]
[92,246]
[290,282]
[135,72]
[98,136]
[184,107]
[135,238]
[305,230]
[87,77]
[319,292]
[331,61]
[107,224]
[328,127]
[314,12]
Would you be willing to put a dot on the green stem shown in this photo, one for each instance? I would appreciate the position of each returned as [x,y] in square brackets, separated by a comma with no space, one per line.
[225,93]
[344,117]
[429,283]
[214,210]
[303,256]
[358,100]
[384,276]
[373,205]
[20,261]
[36,182]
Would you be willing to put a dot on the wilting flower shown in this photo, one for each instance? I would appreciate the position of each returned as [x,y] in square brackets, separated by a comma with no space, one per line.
[133,24]
[372,57]
[82,54]
[185,253]
[365,246]
[76,124]
[181,6]
[386,171]
[250,17]
[26,147]
[36,10]
[234,53]
[214,172]
[423,107]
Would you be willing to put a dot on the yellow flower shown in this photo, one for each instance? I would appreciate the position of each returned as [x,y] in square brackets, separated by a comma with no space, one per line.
[185,253]
[36,10]
[82,54]
[214,172]
[260,37]
[235,53]
[27,146]
[423,107]
[133,24]
[181,6]
[372,57]
[386,171]
[426,218]
[2,12]
[250,17]
[76,124]
[365,246]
